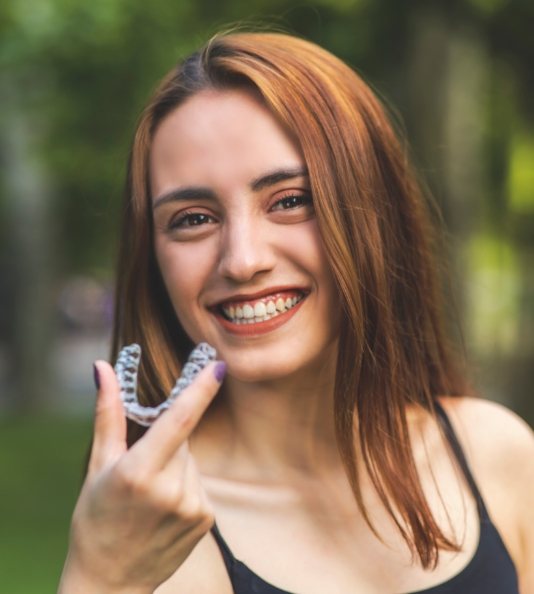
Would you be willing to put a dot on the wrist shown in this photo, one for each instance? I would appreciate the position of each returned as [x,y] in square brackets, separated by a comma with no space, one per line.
[75,580]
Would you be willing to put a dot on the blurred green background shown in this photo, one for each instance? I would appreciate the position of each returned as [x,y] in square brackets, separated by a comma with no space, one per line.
[73,78]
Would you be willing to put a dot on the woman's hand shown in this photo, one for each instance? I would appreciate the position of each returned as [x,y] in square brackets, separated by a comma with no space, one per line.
[141,511]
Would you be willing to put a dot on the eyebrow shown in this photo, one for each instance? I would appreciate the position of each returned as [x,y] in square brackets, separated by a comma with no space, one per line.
[201,193]
[191,193]
[270,179]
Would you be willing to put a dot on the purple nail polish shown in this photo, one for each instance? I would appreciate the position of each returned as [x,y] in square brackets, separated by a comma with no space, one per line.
[220,371]
[96,376]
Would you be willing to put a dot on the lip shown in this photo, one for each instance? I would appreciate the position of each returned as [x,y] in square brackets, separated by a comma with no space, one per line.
[271,291]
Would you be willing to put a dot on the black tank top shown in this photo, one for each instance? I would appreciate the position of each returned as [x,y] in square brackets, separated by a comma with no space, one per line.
[490,571]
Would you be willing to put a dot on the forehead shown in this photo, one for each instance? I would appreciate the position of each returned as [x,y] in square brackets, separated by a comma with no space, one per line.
[219,138]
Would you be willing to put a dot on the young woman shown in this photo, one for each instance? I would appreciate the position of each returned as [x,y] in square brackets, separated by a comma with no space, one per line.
[272,213]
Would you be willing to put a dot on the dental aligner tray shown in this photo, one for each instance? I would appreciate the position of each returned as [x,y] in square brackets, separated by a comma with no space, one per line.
[127,366]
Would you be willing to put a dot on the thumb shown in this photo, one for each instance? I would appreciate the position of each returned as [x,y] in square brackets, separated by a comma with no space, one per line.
[109,439]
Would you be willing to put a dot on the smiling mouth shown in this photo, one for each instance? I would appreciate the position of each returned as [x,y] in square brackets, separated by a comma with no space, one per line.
[262,309]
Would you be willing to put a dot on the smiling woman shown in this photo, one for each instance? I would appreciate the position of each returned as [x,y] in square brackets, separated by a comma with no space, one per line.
[272,213]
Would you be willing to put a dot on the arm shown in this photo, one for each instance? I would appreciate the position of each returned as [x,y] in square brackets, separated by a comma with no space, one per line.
[500,449]
[522,463]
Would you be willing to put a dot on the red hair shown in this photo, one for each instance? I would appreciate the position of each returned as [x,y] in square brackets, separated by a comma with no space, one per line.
[378,237]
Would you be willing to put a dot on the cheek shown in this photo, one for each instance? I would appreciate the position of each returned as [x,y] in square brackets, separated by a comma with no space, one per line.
[313,257]
[184,271]
[308,248]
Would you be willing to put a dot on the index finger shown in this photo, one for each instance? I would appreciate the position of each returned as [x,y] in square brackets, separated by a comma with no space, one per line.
[170,431]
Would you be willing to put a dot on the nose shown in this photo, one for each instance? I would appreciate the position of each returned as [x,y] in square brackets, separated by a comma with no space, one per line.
[246,250]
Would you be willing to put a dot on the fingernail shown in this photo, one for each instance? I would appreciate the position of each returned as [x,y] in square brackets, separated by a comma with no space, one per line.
[96,376]
[220,371]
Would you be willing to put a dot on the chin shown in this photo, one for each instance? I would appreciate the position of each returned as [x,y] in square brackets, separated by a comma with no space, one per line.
[252,367]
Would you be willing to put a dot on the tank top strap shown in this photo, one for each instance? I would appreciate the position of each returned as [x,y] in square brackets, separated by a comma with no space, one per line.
[454,442]
[228,557]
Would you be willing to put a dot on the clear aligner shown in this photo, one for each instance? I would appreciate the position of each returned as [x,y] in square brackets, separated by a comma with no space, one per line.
[127,366]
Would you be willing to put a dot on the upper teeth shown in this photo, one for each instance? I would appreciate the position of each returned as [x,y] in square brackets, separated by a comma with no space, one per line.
[260,311]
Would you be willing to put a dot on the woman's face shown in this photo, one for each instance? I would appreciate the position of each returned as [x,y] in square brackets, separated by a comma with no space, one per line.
[236,238]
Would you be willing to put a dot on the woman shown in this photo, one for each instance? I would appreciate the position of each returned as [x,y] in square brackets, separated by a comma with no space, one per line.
[271,212]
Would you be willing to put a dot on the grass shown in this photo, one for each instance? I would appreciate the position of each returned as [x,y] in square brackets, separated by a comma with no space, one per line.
[41,462]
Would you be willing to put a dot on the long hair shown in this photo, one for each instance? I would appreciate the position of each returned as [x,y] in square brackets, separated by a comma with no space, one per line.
[378,236]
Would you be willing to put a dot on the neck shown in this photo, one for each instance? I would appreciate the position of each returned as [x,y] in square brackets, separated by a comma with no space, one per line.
[268,430]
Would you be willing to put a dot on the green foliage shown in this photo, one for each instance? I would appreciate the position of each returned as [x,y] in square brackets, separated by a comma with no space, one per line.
[495,283]
[521,173]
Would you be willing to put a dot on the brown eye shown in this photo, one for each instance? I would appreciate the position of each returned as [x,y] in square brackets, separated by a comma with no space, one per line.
[292,202]
[192,219]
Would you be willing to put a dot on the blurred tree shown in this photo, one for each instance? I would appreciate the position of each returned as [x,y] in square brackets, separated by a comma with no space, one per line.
[28,255]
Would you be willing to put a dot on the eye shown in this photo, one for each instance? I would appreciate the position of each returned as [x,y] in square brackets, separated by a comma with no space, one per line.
[190,219]
[292,202]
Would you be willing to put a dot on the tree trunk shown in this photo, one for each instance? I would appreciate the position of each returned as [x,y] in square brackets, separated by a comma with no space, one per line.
[28,269]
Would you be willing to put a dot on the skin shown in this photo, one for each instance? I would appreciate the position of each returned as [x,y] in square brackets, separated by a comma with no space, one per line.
[261,457]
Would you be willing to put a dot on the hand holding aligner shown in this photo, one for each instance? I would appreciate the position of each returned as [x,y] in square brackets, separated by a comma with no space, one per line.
[127,366]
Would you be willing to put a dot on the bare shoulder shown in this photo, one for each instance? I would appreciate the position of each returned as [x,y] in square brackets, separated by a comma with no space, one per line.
[495,437]
[488,423]
[499,446]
